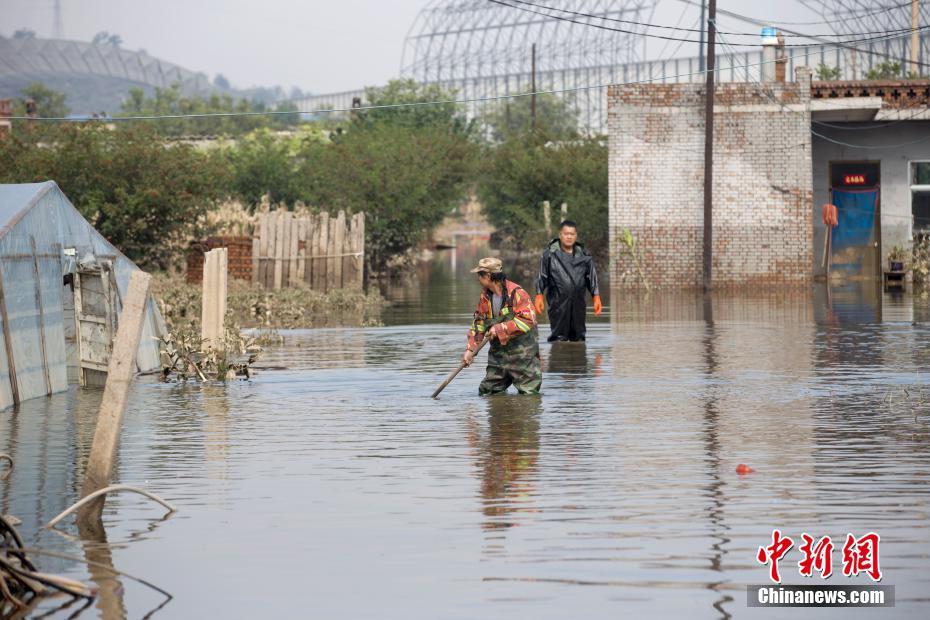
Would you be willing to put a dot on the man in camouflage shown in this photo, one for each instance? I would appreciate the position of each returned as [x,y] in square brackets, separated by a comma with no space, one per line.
[505,315]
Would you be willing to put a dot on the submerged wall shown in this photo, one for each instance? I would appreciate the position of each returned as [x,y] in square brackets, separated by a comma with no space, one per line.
[762,183]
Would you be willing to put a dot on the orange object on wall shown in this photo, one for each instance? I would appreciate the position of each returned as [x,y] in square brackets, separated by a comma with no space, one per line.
[830,215]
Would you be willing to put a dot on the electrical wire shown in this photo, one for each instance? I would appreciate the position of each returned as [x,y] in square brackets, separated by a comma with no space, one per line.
[785,108]
[881,126]
[826,22]
[741,34]
[659,36]
[625,21]
[413,104]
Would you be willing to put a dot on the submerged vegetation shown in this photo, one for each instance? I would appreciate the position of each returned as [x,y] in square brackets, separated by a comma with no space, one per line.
[184,354]
[253,306]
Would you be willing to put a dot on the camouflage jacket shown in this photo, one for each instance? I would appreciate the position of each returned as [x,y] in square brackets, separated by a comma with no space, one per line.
[516,317]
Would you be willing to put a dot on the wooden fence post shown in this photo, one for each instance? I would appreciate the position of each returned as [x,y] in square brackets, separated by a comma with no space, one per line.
[339,249]
[278,250]
[213,311]
[120,372]
[360,249]
[321,251]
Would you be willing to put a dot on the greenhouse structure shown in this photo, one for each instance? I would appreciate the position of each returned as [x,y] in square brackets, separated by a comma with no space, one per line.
[61,289]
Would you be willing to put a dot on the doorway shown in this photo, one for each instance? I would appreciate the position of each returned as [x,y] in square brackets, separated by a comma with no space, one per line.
[856,245]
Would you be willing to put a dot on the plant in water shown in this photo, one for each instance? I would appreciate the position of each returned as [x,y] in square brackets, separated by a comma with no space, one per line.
[185,355]
[897,254]
[920,260]
[631,248]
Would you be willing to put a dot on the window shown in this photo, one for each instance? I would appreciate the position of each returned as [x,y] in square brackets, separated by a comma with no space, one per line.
[920,197]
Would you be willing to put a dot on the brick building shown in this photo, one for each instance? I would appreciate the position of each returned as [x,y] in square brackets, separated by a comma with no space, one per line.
[763,192]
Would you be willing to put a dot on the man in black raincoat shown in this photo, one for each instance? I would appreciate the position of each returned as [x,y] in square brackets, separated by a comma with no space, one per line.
[566,272]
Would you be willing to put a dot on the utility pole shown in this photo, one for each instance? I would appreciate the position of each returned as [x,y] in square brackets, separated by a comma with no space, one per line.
[709,148]
[915,40]
[701,46]
[533,86]
[57,27]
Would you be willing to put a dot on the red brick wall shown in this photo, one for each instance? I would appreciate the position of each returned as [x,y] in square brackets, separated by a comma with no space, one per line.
[239,251]
[762,183]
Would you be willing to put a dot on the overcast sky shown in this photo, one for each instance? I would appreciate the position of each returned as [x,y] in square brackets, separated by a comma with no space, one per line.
[319,45]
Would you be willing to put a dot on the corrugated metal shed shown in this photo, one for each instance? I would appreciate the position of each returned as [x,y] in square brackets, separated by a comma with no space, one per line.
[45,243]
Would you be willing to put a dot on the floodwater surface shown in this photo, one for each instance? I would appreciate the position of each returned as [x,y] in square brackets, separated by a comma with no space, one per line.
[336,488]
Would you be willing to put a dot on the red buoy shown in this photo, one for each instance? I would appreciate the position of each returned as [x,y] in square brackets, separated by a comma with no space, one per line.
[743,469]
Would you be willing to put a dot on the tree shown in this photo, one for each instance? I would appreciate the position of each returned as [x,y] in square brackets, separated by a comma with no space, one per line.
[555,118]
[49,103]
[263,164]
[105,38]
[406,94]
[24,33]
[220,81]
[522,172]
[171,102]
[141,194]
[405,180]
[885,71]
[826,72]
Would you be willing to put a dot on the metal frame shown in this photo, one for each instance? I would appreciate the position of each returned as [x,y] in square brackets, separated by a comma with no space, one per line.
[482,49]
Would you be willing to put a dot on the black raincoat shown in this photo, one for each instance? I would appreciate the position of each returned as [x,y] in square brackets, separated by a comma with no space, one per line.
[564,278]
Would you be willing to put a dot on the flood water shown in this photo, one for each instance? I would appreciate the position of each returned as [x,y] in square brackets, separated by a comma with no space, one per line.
[336,488]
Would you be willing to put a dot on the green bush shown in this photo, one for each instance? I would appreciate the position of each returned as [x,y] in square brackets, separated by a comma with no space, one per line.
[525,170]
[143,195]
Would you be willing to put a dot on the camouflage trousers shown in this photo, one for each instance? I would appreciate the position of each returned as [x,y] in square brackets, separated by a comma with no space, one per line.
[516,363]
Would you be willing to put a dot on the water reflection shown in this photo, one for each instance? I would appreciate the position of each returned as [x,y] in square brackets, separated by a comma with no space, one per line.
[568,358]
[507,456]
[339,473]
[716,485]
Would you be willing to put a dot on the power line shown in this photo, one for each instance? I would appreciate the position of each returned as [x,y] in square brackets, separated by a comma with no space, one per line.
[785,108]
[740,34]
[659,36]
[553,91]
[818,23]
[618,20]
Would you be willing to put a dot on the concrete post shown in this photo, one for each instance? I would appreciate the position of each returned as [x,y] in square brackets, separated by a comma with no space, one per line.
[213,311]
[547,218]
[120,372]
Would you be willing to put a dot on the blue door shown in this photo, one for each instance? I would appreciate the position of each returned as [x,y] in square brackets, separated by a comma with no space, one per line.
[855,238]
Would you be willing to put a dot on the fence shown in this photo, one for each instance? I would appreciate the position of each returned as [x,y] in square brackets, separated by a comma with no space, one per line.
[321,251]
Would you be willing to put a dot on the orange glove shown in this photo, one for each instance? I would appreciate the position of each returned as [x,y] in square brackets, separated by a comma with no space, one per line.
[540,304]
[597,305]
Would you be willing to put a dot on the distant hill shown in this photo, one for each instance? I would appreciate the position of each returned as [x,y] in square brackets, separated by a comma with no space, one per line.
[97,77]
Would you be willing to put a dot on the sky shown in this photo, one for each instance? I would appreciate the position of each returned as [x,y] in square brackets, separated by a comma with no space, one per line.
[320,46]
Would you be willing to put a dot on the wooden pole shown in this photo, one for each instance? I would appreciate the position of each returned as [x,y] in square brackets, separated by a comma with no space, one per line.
[455,372]
[533,86]
[279,249]
[120,372]
[701,44]
[915,40]
[709,149]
